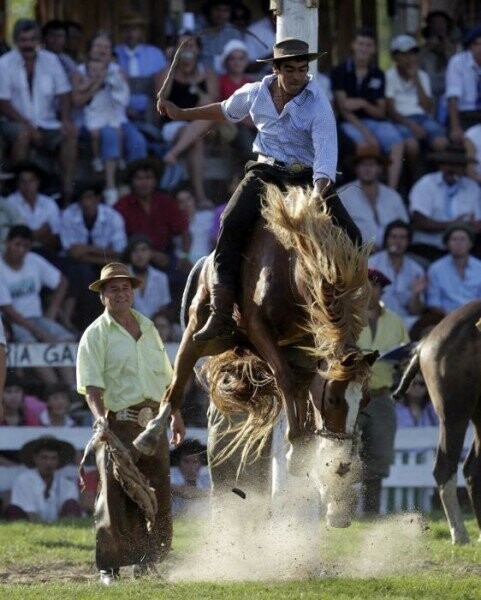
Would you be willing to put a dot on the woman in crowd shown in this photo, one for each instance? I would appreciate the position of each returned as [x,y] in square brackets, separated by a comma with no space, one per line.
[415,409]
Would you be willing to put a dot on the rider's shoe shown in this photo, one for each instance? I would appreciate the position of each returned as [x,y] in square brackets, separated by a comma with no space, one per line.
[220,324]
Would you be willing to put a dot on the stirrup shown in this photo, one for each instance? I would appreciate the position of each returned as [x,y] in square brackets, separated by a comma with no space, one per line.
[216,328]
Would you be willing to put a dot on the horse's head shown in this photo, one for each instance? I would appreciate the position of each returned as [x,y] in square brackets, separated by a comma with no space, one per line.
[337,403]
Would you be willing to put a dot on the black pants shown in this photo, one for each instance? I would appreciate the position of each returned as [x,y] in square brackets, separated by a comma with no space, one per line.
[243,211]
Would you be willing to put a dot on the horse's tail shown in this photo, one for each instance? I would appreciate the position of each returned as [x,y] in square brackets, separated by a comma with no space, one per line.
[408,376]
[241,382]
[330,267]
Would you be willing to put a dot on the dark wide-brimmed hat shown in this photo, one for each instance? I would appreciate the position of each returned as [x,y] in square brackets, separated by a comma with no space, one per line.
[188,448]
[114,271]
[143,164]
[466,227]
[451,155]
[377,276]
[66,452]
[365,153]
[291,48]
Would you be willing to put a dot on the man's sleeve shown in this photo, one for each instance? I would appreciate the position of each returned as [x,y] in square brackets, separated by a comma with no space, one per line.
[22,494]
[90,361]
[433,291]
[324,139]
[420,200]
[236,108]
[454,78]
[5,90]
[49,275]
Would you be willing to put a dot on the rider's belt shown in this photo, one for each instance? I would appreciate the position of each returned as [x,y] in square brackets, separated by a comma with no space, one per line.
[294,168]
[140,415]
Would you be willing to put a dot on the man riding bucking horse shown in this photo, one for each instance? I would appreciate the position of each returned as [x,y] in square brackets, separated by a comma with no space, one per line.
[296,145]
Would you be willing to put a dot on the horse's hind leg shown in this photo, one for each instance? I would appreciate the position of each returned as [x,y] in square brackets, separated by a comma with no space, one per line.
[472,468]
[451,438]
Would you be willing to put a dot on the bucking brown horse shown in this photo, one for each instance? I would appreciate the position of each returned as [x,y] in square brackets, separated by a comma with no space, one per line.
[303,285]
[449,358]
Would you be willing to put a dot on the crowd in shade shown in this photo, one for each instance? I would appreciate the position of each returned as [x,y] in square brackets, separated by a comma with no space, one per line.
[91,174]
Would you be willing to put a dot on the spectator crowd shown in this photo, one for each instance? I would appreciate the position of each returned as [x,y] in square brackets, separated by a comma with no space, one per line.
[90,174]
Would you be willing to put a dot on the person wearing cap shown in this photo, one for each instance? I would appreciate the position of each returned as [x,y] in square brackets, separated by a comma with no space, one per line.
[405,294]
[442,198]
[377,421]
[371,204]
[359,93]
[296,144]
[42,493]
[463,86]
[410,104]
[456,278]
[123,371]
[140,61]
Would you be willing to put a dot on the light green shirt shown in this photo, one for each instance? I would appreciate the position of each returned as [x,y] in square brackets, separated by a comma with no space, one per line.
[390,332]
[128,371]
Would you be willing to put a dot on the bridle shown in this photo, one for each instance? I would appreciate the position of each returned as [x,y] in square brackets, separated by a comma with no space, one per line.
[327,434]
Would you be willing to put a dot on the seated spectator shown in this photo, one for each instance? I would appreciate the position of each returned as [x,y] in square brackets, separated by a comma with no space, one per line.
[359,94]
[260,38]
[456,278]
[91,234]
[24,274]
[40,212]
[219,30]
[54,36]
[153,294]
[3,363]
[463,91]
[371,204]
[436,52]
[442,198]
[200,226]
[141,63]
[9,215]
[232,65]
[30,111]
[191,85]
[168,331]
[405,294]
[56,413]
[19,409]
[415,409]
[41,493]
[410,103]
[151,212]
[189,479]
[472,143]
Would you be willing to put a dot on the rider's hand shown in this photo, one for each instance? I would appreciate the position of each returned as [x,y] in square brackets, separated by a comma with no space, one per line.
[167,108]
[177,427]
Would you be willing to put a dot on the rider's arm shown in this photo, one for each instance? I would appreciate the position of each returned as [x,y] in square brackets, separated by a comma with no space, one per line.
[209,112]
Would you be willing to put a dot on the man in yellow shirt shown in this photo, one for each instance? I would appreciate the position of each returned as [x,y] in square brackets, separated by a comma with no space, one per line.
[377,421]
[123,370]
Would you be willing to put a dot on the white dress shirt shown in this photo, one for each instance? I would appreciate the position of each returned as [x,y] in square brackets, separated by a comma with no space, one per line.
[45,210]
[462,75]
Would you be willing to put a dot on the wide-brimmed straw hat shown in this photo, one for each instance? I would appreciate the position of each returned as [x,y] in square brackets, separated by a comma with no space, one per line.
[451,155]
[291,48]
[366,153]
[66,452]
[114,271]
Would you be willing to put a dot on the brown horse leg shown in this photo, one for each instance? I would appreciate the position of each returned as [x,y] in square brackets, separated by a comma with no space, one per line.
[450,445]
[472,469]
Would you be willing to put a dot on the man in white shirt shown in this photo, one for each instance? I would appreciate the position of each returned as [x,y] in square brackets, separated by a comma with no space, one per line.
[32,81]
[442,198]
[42,493]
[370,203]
[3,364]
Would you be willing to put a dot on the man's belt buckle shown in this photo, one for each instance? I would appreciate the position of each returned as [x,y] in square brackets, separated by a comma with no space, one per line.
[144,416]
[296,167]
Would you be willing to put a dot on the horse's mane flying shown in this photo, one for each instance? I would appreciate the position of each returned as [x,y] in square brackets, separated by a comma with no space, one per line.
[330,268]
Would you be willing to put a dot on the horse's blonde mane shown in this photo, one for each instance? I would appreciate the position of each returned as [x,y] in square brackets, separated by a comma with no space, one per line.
[330,268]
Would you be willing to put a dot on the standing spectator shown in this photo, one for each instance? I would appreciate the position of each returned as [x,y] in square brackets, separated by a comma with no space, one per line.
[405,294]
[442,198]
[218,32]
[456,278]
[54,36]
[371,204]
[191,85]
[434,55]
[31,83]
[24,274]
[415,409]
[123,370]
[153,293]
[151,212]
[40,212]
[42,493]
[200,225]
[472,143]
[410,103]
[141,62]
[463,87]
[56,413]
[377,421]
[359,95]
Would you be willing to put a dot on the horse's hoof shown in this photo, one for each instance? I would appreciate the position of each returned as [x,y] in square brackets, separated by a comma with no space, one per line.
[338,522]
[460,538]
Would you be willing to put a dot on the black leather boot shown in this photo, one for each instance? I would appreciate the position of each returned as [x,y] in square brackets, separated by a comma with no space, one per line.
[220,324]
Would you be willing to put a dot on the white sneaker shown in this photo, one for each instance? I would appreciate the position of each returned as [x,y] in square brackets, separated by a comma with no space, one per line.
[97,165]
[111,195]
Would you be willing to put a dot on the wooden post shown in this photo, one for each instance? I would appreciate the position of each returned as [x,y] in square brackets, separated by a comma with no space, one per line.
[299,19]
